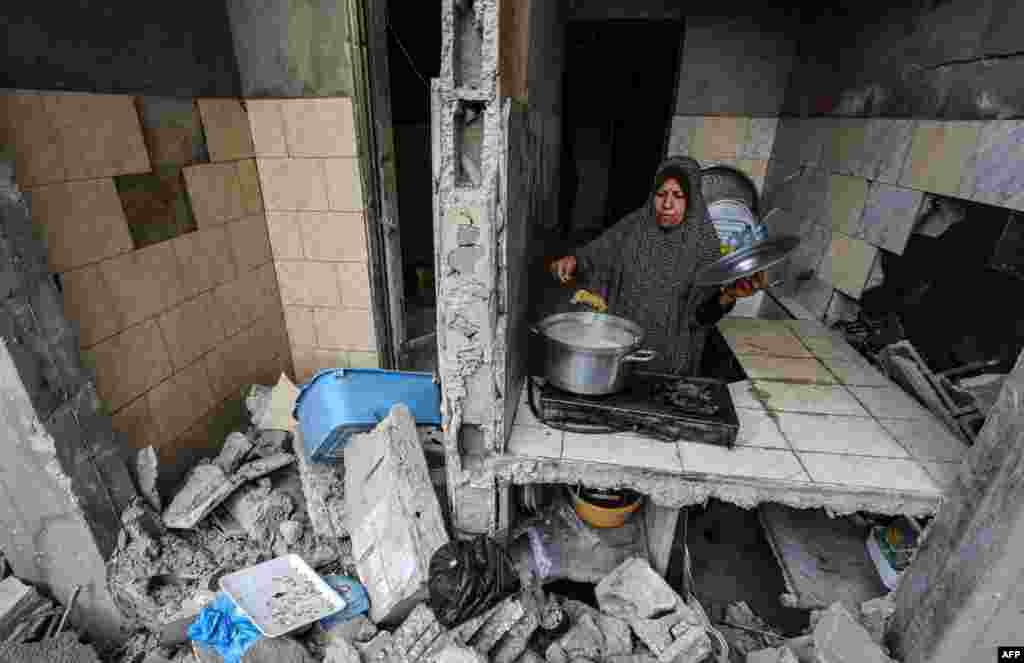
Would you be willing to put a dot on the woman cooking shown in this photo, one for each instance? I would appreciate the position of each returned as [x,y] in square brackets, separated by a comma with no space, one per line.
[645,265]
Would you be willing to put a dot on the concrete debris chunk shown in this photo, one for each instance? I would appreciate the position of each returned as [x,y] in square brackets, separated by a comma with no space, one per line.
[634,590]
[529,656]
[341,651]
[257,401]
[260,510]
[618,641]
[515,641]
[236,447]
[459,654]
[509,611]
[779,655]
[64,648]
[17,601]
[632,658]
[838,638]
[691,647]
[876,615]
[583,640]
[147,470]
[394,516]
[416,634]
[376,649]
[207,486]
[656,633]
[282,649]
[359,629]
[270,442]
[275,413]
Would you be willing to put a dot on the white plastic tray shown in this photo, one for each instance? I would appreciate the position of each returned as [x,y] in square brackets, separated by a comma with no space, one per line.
[285,584]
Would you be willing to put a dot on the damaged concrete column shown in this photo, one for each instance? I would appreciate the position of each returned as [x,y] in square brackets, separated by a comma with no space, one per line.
[468,230]
[964,593]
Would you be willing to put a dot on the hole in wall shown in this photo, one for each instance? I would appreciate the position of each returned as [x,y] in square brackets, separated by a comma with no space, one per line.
[469,41]
[469,143]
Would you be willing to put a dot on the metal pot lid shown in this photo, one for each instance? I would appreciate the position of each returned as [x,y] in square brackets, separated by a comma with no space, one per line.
[750,260]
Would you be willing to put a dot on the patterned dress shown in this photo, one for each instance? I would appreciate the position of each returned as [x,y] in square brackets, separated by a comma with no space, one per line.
[646,275]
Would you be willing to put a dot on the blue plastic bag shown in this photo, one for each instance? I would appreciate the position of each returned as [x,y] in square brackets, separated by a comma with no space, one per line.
[224,627]
[357,601]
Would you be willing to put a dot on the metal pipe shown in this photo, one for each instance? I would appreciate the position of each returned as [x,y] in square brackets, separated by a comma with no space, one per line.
[67,610]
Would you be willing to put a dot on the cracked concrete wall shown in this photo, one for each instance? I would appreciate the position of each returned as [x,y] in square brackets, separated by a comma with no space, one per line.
[62,484]
[962,595]
[956,60]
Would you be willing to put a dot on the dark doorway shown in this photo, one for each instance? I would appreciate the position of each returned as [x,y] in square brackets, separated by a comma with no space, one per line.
[619,90]
[414,57]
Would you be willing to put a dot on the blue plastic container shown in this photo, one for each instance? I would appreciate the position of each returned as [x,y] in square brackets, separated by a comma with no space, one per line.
[339,402]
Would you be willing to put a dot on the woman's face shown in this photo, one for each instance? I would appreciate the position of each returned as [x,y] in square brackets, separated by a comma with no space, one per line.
[670,203]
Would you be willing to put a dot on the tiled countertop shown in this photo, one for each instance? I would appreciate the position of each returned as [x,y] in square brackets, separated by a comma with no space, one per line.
[819,426]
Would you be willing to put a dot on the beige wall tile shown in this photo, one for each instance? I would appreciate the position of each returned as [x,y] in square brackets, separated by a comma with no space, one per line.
[300,326]
[38,152]
[192,329]
[130,363]
[344,187]
[89,302]
[240,302]
[304,360]
[249,186]
[342,329]
[844,145]
[848,264]
[83,221]
[354,280]
[100,134]
[333,236]
[266,123]
[285,235]
[720,136]
[145,282]
[206,258]
[363,359]
[134,423]
[215,193]
[320,127]
[293,184]
[180,401]
[938,154]
[249,242]
[308,284]
[227,129]
[847,196]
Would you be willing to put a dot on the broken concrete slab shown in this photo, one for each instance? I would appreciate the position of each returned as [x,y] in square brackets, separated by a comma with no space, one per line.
[459,654]
[147,470]
[207,487]
[282,649]
[839,638]
[17,600]
[632,658]
[618,640]
[690,647]
[236,447]
[634,590]
[291,531]
[823,559]
[394,517]
[376,649]
[516,640]
[500,622]
[583,640]
[530,656]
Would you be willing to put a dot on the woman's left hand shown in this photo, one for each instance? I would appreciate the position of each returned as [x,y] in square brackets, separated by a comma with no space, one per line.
[745,287]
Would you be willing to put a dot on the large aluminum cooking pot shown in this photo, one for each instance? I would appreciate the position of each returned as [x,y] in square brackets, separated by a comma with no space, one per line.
[590,353]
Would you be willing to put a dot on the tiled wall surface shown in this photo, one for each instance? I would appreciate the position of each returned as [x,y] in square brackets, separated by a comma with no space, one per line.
[173,329]
[740,142]
[309,174]
[853,188]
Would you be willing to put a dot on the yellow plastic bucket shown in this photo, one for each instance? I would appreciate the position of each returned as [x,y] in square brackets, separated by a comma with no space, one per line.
[603,517]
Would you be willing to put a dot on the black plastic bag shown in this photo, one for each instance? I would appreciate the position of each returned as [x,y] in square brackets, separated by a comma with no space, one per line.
[469,577]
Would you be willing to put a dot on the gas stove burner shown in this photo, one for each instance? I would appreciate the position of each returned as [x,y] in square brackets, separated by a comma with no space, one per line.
[689,397]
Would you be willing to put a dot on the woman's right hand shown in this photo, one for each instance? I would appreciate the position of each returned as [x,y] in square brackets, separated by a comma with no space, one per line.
[564,269]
